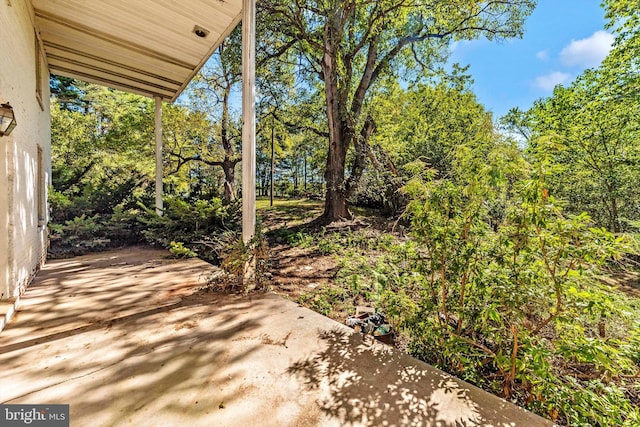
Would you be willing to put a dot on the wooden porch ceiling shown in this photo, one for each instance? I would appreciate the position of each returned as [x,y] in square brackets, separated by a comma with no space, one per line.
[149,47]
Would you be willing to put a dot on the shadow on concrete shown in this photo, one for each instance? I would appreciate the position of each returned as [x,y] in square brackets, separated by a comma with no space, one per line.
[126,338]
[375,385]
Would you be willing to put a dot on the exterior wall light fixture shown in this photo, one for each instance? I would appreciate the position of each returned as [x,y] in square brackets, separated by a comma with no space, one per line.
[7,119]
[200,31]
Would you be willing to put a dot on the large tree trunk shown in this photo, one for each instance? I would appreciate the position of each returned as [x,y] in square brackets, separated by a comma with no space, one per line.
[229,166]
[273,165]
[611,204]
[336,204]
[615,216]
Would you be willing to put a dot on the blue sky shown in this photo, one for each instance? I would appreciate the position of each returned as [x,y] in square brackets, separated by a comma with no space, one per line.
[562,38]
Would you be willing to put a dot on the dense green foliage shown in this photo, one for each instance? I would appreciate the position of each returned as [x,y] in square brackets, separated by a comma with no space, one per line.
[511,298]
[103,175]
[592,140]
[423,122]
[589,130]
[501,287]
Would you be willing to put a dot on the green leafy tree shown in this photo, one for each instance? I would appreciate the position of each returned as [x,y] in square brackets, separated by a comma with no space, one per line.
[68,92]
[188,136]
[590,130]
[425,121]
[351,45]
[211,92]
[593,139]
[101,154]
[213,96]
[621,69]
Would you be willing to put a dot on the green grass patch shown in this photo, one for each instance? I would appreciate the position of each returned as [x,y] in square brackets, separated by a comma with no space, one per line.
[288,205]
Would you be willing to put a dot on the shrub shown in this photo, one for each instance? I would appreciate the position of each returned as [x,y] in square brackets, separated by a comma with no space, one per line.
[178,250]
[197,225]
[236,258]
[78,236]
[515,305]
[511,298]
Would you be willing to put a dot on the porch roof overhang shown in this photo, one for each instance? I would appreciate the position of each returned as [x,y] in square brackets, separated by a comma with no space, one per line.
[148,47]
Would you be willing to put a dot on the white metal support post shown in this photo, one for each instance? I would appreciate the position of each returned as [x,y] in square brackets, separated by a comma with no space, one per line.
[248,119]
[158,133]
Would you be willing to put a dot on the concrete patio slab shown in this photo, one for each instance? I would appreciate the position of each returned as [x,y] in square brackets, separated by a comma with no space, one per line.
[125,338]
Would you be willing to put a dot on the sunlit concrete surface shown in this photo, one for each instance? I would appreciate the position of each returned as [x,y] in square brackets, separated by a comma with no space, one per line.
[125,338]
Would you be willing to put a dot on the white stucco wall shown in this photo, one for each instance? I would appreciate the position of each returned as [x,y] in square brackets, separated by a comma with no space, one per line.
[23,238]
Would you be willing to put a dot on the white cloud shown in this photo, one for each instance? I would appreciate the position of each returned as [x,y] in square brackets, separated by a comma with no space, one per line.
[548,81]
[587,52]
[543,55]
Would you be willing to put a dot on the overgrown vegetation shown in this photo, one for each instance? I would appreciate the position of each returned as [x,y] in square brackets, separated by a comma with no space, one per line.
[245,266]
[512,300]
[102,169]
[514,304]
[187,229]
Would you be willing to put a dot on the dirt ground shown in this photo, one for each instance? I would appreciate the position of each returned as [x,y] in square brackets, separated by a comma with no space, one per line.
[628,281]
[300,269]
[297,270]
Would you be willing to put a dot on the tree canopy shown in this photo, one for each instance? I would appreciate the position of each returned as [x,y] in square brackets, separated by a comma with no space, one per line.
[349,46]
